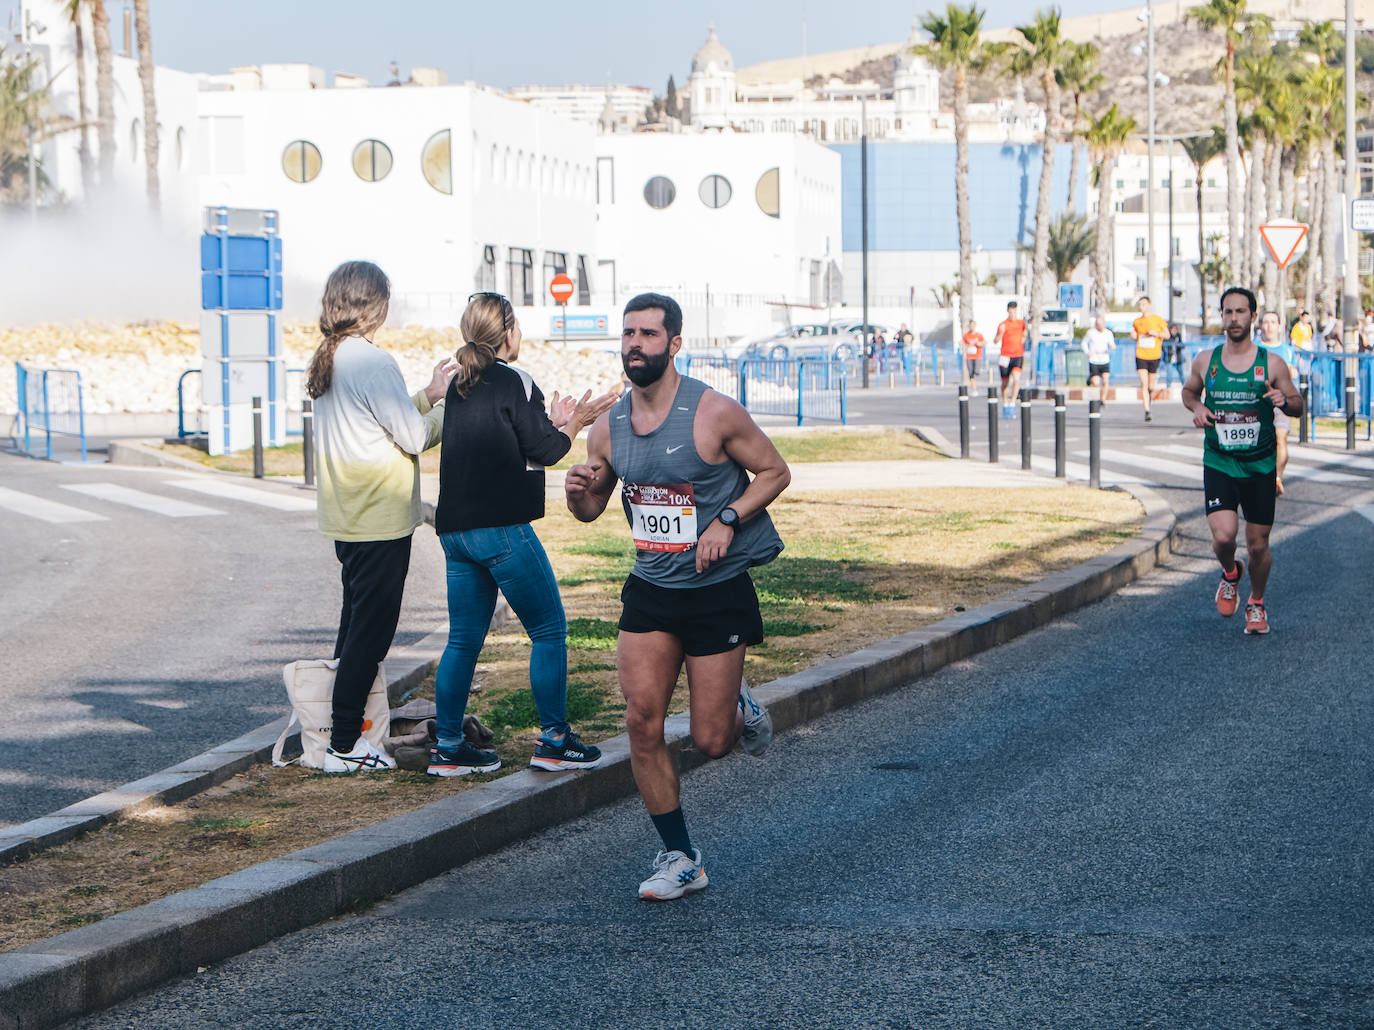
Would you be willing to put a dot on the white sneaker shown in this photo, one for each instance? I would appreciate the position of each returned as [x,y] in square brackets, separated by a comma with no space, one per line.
[363,758]
[674,875]
[758,724]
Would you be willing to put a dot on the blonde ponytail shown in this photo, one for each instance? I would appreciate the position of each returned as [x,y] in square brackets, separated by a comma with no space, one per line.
[484,328]
[355,302]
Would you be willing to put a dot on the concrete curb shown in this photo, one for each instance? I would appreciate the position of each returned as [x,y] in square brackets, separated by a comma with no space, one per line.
[96,966]
[146,453]
[406,667]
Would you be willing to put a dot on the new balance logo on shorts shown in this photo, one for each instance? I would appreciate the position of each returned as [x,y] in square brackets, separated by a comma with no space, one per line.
[734,639]
[1213,502]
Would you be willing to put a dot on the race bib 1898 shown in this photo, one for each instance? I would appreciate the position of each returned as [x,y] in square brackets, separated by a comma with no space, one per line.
[663,516]
[1237,430]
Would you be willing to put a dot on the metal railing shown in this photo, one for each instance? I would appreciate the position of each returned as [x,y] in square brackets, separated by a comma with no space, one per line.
[198,409]
[814,390]
[50,402]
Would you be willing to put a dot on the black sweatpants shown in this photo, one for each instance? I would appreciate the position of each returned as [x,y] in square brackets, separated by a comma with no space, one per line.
[374,577]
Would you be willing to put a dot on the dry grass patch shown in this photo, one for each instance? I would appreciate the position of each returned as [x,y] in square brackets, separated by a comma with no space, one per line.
[859,567]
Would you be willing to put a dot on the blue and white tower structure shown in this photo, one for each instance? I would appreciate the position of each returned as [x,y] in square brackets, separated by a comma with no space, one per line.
[240,327]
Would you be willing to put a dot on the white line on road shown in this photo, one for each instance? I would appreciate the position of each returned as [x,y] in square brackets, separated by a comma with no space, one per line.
[1147,461]
[41,508]
[168,506]
[1297,465]
[247,494]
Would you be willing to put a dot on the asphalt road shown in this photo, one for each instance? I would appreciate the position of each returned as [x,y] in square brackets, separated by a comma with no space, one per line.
[1137,816]
[135,639]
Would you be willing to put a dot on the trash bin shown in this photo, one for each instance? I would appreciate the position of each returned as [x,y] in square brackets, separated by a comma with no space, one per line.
[1076,366]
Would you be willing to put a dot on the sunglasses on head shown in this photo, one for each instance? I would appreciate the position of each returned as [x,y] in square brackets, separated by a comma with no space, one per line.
[505,305]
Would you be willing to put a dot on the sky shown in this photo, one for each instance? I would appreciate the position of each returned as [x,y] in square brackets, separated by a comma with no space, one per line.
[549,42]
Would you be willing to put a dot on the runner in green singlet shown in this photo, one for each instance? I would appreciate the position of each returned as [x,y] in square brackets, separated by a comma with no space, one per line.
[1243,385]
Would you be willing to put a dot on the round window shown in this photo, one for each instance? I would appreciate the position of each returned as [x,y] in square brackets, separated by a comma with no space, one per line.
[714,191]
[766,193]
[436,161]
[372,160]
[659,192]
[301,161]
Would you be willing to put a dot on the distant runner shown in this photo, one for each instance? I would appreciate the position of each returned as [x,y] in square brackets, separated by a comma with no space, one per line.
[1011,336]
[1244,384]
[973,350]
[1099,344]
[1271,337]
[1148,331]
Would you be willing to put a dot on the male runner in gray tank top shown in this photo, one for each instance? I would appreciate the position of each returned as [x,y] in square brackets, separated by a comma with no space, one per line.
[685,454]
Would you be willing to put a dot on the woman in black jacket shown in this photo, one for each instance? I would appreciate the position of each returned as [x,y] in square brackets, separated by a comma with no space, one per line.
[496,441]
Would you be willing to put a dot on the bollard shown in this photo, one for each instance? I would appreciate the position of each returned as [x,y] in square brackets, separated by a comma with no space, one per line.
[1304,389]
[308,439]
[1349,413]
[1061,443]
[1095,444]
[1025,428]
[963,422]
[994,413]
[257,437]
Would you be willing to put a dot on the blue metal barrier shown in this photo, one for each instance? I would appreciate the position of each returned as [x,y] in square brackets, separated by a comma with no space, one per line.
[182,431]
[1327,393]
[50,402]
[814,389]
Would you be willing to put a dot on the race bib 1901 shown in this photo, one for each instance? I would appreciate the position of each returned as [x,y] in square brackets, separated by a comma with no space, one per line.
[1237,430]
[663,516]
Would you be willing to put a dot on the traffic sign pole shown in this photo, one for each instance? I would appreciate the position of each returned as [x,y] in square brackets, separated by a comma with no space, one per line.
[561,289]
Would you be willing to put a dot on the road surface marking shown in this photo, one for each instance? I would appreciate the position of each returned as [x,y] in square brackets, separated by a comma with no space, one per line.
[41,508]
[168,506]
[247,494]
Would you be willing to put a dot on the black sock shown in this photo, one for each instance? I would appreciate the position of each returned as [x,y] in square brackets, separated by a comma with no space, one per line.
[672,827]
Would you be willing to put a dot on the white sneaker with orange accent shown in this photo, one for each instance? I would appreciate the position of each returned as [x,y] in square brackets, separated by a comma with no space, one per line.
[674,875]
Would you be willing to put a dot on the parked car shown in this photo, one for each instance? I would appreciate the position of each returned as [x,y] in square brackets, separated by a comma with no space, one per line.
[1055,324]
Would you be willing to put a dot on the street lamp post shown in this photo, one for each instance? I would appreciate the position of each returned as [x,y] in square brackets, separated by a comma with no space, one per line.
[1350,291]
[1150,154]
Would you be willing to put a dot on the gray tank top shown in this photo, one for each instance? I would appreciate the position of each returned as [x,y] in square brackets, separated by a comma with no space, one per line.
[671,495]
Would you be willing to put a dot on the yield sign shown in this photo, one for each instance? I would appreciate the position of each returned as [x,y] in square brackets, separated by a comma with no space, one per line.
[1282,239]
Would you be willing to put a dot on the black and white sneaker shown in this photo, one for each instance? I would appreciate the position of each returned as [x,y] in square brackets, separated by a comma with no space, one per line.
[363,758]
[461,760]
[571,753]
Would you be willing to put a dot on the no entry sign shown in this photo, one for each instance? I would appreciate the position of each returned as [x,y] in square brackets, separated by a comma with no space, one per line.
[561,288]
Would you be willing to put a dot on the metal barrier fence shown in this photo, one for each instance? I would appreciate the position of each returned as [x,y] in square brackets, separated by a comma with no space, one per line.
[50,402]
[197,410]
[796,388]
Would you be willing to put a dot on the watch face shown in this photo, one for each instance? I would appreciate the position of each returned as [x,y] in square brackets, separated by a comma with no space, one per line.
[729,516]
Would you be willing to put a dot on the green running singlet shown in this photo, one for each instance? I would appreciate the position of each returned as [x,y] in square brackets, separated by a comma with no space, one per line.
[1241,443]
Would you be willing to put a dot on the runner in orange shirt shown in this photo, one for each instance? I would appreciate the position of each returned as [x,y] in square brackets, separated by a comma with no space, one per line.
[973,350]
[1011,337]
[1148,331]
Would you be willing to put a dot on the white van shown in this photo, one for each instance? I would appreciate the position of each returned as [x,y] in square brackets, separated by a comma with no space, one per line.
[1055,324]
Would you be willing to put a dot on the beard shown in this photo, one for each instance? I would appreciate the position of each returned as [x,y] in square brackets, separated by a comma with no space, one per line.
[1236,333]
[648,373]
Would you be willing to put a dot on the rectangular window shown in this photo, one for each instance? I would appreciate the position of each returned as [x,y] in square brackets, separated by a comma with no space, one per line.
[584,281]
[1140,246]
[1164,184]
[1211,183]
[486,269]
[520,273]
[1121,184]
[1139,285]
[554,263]
[1178,247]
[605,180]
[1144,183]
[817,292]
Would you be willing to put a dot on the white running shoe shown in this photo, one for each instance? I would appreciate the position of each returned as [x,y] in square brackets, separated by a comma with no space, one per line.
[674,875]
[363,758]
[758,724]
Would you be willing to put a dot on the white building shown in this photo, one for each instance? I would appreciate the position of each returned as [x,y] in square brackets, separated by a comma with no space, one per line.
[612,108]
[833,111]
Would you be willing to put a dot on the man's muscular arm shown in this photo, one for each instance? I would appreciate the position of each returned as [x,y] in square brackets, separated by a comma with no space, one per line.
[588,487]
[1282,393]
[737,436]
[1192,392]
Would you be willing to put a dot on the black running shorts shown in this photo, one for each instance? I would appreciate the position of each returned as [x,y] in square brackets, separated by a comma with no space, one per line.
[1104,369]
[1150,365]
[1253,496]
[1011,363]
[706,620]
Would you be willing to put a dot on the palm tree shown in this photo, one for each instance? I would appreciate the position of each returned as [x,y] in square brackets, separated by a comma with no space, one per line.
[1322,39]
[1042,52]
[1078,76]
[104,89]
[1229,16]
[1259,77]
[74,11]
[1107,135]
[956,43]
[24,107]
[1324,88]
[1201,150]
[143,29]
[1071,242]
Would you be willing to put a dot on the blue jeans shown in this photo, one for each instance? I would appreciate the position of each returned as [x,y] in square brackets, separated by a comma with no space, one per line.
[479,562]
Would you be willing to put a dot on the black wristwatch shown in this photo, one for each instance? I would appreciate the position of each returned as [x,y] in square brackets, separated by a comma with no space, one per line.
[729,517]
